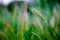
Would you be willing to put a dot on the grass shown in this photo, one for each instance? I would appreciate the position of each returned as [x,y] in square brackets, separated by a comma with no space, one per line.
[33,25]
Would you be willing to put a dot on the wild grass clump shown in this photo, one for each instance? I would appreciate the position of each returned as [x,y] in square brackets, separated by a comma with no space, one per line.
[29,23]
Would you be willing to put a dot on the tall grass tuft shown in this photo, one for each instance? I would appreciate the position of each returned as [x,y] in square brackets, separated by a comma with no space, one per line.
[28,22]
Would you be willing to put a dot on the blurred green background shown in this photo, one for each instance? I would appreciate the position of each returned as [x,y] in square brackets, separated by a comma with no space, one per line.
[30,20]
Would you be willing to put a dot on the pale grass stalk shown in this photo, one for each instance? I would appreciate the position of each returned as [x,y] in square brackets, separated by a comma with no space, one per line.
[35,11]
[23,19]
[15,10]
[56,19]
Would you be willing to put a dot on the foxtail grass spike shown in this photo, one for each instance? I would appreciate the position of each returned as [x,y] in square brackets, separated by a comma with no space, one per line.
[56,19]
[25,15]
[10,29]
[3,36]
[14,12]
[35,11]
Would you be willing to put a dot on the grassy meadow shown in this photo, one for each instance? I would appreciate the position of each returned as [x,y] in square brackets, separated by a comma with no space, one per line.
[33,20]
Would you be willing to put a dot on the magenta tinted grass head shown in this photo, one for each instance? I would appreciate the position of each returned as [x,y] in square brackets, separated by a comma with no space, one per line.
[25,14]
[52,21]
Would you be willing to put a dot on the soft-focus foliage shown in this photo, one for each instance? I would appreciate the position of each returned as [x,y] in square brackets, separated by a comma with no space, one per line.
[33,20]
